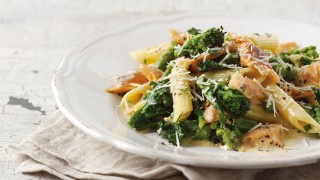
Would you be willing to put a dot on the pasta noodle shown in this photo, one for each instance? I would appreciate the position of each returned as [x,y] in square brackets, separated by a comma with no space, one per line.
[292,111]
[237,90]
[132,98]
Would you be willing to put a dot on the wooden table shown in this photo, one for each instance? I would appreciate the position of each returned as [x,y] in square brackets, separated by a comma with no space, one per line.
[35,35]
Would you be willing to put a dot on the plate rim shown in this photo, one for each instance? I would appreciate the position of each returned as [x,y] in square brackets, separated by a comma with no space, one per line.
[154,153]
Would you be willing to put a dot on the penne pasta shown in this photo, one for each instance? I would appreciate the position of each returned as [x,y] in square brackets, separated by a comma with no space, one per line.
[265,41]
[259,114]
[150,55]
[181,95]
[132,98]
[292,111]
[237,90]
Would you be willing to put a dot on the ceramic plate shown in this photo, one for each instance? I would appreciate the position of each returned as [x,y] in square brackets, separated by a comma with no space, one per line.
[81,79]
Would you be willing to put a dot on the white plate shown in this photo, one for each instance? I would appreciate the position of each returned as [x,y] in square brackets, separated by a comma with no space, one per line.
[79,89]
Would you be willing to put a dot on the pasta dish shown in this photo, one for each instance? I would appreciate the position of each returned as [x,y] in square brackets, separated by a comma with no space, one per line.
[234,90]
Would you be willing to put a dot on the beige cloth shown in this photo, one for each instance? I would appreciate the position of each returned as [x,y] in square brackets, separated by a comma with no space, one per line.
[61,149]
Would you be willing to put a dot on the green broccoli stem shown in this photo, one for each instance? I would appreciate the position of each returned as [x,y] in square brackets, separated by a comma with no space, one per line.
[194,31]
[244,124]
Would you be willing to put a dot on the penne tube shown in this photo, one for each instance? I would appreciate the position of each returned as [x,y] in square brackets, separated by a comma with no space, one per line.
[292,111]
[180,89]
[133,97]
[150,55]
[258,113]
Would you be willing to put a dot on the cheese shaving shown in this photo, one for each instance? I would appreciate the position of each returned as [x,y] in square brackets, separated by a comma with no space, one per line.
[255,127]
[275,113]
[205,55]
[224,59]
[278,125]
[184,44]
[283,63]
[196,95]
[135,84]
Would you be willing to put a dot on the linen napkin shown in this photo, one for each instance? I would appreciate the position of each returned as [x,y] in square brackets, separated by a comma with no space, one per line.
[61,149]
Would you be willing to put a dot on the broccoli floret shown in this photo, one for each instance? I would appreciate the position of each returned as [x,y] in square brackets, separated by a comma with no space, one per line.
[213,37]
[222,97]
[202,133]
[233,101]
[210,93]
[174,132]
[228,135]
[166,57]
[309,51]
[194,31]
[312,110]
[158,103]
[305,56]
[288,73]
[316,94]
[228,138]
[182,130]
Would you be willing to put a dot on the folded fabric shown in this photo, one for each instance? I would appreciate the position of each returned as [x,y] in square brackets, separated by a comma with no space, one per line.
[61,149]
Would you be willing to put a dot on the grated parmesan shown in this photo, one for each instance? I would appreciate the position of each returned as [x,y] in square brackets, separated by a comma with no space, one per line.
[275,113]
[255,127]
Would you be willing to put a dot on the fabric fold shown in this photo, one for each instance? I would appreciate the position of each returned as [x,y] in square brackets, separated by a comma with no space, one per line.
[61,149]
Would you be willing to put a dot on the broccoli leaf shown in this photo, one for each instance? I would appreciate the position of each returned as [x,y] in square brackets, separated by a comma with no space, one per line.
[194,31]
[233,101]
[174,133]
[158,103]
[316,94]
[244,125]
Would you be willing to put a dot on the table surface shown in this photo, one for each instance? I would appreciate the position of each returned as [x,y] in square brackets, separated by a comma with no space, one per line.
[35,35]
